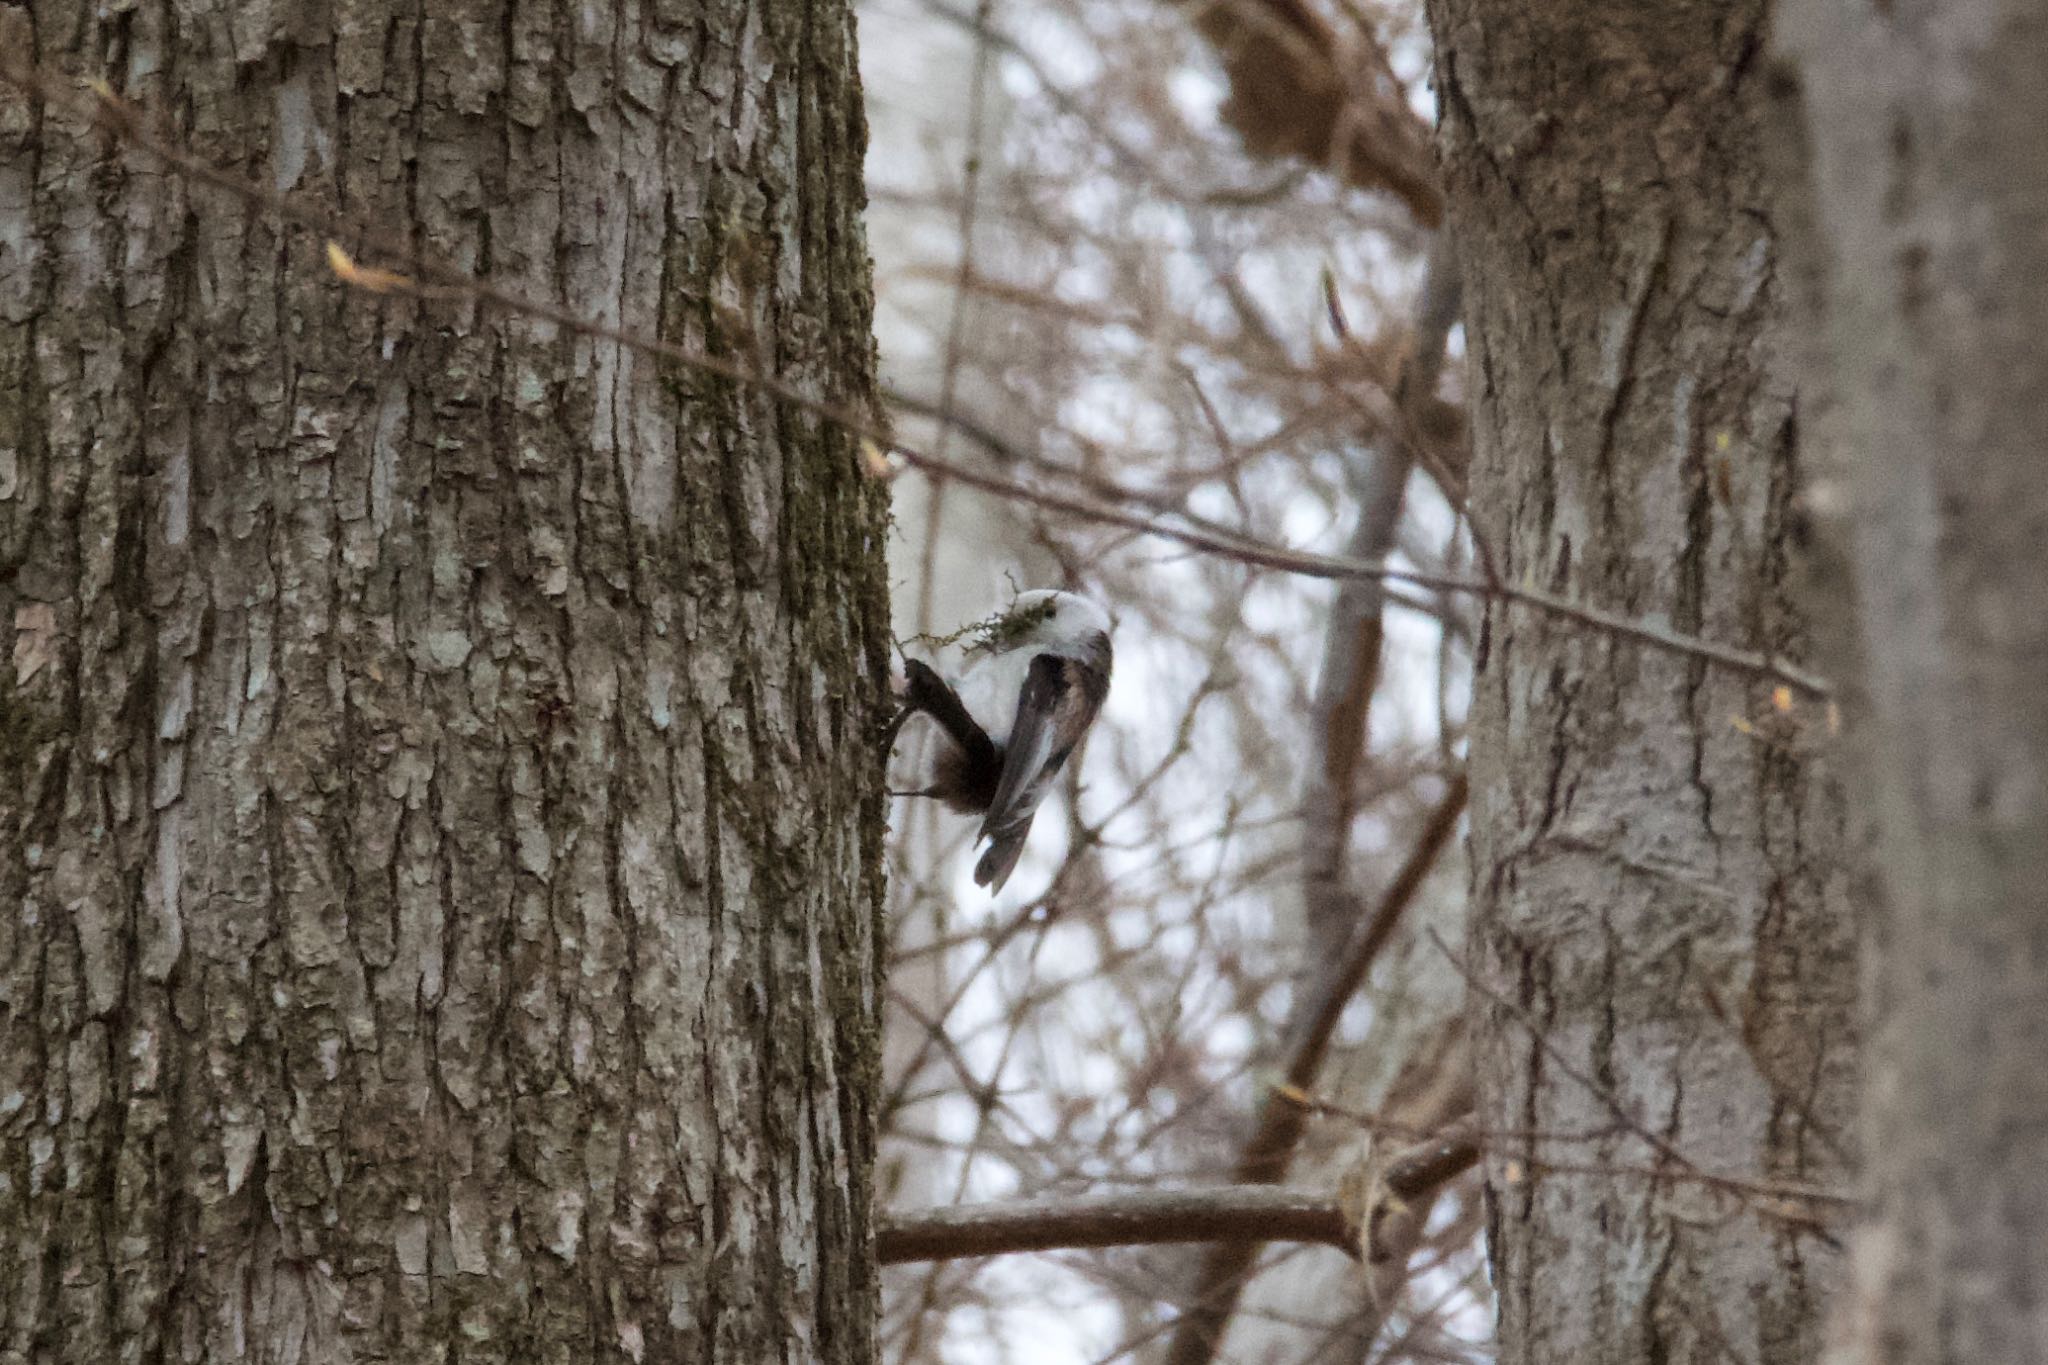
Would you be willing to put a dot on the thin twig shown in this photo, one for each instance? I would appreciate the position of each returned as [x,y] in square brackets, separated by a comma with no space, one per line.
[437,280]
[1277,1129]
[1745,1189]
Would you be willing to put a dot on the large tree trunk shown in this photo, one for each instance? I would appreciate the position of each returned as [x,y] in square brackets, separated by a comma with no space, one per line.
[439,817]
[1661,942]
[1931,251]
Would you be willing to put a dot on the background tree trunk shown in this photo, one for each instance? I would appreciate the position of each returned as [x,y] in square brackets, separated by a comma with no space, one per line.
[1929,244]
[439,817]
[1658,898]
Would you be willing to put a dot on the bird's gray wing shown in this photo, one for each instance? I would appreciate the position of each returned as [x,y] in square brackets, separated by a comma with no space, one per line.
[1055,707]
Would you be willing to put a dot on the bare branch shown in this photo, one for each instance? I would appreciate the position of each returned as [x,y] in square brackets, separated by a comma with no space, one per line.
[1400,1197]
[1351,654]
[1314,1023]
[1517,1143]
[1431,1165]
[1277,1129]
[1141,1218]
[438,280]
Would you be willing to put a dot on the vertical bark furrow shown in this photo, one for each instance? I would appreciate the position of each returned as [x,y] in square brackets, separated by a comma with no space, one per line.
[435,779]
[1654,844]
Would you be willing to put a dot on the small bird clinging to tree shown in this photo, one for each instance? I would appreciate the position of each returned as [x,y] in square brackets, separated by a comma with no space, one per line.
[1040,672]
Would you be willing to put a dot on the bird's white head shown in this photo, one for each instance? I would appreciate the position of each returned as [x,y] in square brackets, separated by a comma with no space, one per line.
[1047,621]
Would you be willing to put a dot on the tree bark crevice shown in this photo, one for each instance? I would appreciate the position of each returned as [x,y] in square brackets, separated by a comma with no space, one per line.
[438,787]
[1655,842]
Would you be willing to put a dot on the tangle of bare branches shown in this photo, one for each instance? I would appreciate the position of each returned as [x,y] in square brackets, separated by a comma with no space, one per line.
[99,107]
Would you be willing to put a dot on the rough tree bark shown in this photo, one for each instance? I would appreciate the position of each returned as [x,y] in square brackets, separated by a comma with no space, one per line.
[439,822]
[1661,940]
[1929,248]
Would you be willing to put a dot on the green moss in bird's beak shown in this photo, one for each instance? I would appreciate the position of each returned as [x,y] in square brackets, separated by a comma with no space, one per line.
[1001,631]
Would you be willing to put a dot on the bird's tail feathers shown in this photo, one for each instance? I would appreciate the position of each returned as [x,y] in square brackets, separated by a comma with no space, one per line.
[1000,860]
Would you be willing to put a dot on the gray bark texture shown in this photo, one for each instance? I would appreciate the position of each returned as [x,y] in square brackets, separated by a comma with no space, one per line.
[1663,951]
[1927,129]
[439,815]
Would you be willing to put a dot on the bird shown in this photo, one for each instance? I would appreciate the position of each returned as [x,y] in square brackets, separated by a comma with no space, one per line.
[1038,677]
